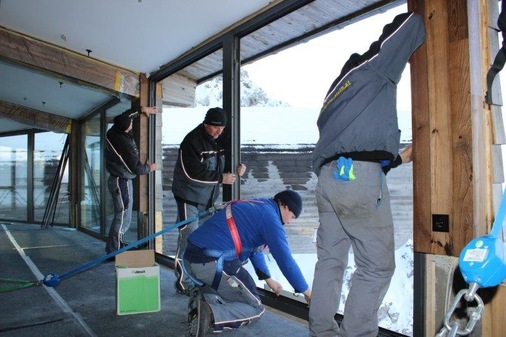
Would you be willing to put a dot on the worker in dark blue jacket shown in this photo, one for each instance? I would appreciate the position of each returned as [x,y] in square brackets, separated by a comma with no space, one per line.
[217,250]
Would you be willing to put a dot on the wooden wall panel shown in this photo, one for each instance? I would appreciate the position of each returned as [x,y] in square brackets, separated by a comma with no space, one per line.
[179,91]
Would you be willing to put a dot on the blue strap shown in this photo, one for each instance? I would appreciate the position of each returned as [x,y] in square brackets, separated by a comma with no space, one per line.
[198,282]
[219,268]
[52,280]
[221,257]
[499,219]
[217,274]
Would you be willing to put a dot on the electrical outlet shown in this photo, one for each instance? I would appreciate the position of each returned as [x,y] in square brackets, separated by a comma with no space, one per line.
[441,223]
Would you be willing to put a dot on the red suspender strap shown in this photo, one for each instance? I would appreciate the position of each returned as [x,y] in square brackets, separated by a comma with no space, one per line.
[233,230]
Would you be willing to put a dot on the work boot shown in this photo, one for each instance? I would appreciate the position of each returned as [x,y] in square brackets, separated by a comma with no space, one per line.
[201,319]
[195,294]
[185,289]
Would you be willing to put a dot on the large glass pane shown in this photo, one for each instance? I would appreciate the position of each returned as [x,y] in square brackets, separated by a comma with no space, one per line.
[91,164]
[50,176]
[186,100]
[14,178]
[281,96]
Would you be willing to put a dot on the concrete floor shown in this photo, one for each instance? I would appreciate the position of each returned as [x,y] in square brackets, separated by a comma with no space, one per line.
[84,304]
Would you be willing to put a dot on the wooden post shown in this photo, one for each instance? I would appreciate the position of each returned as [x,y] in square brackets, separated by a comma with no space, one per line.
[452,136]
[442,130]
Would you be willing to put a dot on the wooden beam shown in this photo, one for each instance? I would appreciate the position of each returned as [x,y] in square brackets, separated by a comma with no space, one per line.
[453,134]
[158,190]
[141,134]
[461,133]
[35,118]
[83,69]
[442,132]
[441,163]
[422,218]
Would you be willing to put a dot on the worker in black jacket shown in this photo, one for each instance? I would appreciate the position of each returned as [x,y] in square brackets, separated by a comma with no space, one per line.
[123,164]
[198,174]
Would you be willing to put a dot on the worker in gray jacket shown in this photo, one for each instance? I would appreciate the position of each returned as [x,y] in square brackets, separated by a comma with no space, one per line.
[358,143]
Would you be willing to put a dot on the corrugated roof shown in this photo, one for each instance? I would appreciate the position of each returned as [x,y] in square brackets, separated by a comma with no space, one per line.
[314,19]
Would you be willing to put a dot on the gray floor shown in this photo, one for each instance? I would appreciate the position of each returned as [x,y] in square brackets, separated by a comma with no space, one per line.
[84,304]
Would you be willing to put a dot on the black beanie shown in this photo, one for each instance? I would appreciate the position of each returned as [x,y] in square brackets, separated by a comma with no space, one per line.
[122,122]
[291,199]
[216,117]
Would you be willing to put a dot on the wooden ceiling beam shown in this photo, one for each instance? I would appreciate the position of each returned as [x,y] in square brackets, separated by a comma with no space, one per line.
[81,68]
[36,118]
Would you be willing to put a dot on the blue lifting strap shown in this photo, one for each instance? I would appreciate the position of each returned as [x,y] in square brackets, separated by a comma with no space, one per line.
[52,280]
[197,282]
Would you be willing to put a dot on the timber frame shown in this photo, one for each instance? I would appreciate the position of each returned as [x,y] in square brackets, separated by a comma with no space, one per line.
[453,143]
[456,136]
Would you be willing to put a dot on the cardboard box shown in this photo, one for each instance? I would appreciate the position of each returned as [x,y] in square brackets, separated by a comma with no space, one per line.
[138,282]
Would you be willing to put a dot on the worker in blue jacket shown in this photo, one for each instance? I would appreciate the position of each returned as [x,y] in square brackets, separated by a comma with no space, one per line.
[217,250]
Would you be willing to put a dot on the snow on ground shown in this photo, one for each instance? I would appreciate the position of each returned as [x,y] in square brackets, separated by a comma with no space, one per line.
[261,125]
[396,310]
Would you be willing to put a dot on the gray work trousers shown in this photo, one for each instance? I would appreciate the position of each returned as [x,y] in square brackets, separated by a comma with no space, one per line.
[353,214]
[185,211]
[121,190]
